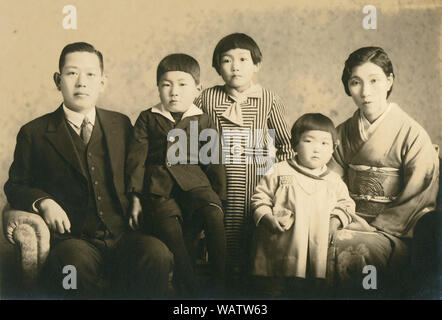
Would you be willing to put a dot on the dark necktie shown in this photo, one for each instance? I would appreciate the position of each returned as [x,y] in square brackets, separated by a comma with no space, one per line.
[86,130]
[177,116]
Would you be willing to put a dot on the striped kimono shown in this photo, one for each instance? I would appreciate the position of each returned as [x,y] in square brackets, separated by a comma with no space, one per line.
[247,150]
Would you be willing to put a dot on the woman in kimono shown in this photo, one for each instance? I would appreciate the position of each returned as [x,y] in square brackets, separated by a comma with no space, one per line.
[391,169]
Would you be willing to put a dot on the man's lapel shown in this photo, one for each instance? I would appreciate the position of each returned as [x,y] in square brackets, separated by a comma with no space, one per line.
[58,135]
[114,140]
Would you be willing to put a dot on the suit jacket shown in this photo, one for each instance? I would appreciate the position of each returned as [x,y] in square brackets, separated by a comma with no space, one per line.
[148,168]
[46,164]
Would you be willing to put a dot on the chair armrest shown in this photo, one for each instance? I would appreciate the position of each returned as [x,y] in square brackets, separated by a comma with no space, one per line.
[29,232]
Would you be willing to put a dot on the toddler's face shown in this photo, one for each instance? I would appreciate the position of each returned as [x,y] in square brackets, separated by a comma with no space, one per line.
[237,68]
[177,90]
[81,81]
[315,148]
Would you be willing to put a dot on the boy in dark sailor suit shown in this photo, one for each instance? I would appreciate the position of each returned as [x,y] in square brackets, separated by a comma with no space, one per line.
[175,172]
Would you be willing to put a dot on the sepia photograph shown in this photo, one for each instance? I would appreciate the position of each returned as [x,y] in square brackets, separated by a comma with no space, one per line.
[205,152]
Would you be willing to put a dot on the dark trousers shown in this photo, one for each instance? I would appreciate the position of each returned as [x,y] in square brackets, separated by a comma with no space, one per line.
[170,230]
[134,266]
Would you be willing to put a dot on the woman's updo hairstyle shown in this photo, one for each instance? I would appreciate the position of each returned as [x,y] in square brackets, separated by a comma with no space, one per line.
[374,55]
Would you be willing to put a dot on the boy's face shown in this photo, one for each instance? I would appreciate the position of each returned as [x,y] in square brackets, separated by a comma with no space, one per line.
[81,81]
[314,149]
[237,68]
[177,90]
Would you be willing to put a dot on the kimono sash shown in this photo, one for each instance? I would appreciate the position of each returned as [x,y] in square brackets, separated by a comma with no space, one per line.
[373,188]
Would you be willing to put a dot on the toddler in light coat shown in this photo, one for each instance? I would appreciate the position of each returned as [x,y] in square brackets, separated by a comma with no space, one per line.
[299,206]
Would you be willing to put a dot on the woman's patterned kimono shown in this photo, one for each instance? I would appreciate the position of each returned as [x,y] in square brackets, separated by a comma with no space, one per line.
[391,169]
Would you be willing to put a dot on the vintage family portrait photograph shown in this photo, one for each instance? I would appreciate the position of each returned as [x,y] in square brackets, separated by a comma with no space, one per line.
[255,150]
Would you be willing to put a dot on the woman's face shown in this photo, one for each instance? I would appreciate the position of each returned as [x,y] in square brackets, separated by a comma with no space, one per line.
[368,86]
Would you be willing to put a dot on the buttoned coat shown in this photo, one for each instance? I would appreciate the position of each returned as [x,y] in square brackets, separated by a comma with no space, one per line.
[147,159]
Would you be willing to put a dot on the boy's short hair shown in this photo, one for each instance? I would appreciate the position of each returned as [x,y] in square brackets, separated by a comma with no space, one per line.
[374,55]
[235,41]
[79,47]
[312,121]
[179,62]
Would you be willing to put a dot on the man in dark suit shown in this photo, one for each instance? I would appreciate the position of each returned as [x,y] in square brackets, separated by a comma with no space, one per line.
[69,168]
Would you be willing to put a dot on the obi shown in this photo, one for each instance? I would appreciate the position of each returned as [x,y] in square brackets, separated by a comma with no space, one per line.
[373,188]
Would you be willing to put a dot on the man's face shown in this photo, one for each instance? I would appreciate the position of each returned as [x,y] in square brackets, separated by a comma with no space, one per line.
[81,81]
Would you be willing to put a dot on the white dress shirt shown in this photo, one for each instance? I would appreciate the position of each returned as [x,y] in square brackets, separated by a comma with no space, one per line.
[75,119]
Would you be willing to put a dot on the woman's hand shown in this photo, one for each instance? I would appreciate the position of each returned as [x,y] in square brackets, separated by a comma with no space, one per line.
[360,224]
[271,224]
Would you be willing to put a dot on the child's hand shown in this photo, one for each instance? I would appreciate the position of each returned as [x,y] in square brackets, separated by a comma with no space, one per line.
[272,225]
[284,216]
[135,210]
[54,216]
[335,223]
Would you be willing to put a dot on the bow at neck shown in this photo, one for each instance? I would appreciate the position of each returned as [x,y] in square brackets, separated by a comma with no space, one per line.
[233,113]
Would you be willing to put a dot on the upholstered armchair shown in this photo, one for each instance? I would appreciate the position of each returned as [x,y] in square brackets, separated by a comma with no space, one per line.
[30,236]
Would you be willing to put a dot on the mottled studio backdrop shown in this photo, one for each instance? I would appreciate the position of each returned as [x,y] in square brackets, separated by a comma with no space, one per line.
[304,44]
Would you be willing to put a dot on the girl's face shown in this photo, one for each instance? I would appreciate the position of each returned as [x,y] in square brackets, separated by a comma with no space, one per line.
[314,149]
[368,87]
[237,68]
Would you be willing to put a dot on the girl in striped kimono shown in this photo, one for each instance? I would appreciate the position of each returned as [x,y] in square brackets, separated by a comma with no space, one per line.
[252,124]
[391,169]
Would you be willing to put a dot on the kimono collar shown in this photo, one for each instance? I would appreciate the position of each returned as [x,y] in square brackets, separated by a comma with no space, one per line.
[192,111]
[76,118]
[293,162]
[366,129]
[233,113]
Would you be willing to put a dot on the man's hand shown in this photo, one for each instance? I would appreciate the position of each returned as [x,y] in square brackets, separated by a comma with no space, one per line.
[272,225]
[54,216]
[135,209]
[335,223]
